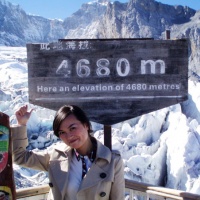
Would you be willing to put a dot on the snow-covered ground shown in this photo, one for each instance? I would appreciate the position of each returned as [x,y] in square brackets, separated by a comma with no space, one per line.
[160,148]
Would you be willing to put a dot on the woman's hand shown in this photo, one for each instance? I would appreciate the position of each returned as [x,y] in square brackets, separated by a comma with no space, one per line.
[23,115]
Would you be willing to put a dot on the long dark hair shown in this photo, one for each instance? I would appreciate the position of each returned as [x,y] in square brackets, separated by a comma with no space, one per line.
[64,112]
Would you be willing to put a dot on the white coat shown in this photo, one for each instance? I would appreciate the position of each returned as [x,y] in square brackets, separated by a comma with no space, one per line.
[104,180]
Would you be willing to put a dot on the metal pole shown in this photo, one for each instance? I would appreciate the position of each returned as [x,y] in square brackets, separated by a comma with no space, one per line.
[108,136]
[167,34]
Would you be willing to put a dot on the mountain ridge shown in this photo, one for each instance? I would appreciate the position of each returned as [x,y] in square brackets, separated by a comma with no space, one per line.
[18,28]
[104,19]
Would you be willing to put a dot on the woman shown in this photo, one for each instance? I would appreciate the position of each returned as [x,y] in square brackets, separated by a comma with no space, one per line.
[80,167]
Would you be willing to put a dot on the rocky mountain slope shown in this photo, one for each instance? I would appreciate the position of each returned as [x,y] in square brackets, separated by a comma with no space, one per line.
[18,28]
[102,19]
[141,19]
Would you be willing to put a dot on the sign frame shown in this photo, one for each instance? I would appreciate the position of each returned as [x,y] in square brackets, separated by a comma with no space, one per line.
[113,80]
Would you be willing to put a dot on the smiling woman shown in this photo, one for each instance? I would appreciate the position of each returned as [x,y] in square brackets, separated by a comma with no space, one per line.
[80,167]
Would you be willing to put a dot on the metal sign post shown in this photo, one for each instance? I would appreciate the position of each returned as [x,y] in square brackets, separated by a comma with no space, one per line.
[108,136]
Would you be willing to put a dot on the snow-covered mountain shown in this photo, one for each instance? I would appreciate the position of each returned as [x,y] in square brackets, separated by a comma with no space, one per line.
[160,148]
[18,28]
[103,19]
[142,19]
[98,19]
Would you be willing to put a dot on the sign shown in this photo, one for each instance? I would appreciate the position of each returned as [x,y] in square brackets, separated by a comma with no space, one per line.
[111,79]
[7,186]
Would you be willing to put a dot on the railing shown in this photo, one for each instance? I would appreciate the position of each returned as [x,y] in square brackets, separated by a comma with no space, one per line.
[133,188]
[156,193]
[33,193]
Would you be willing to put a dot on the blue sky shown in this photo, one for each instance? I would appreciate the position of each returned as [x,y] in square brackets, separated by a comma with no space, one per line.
[61,9]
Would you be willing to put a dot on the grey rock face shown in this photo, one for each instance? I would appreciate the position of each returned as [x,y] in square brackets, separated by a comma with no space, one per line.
[18,28]
[103,19]
[142,18]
